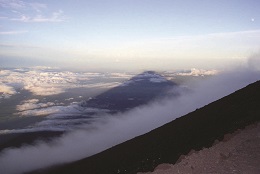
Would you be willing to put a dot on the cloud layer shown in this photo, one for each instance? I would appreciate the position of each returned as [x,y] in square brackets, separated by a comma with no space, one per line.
[6,91]
[111,130]
[44,81]
[198,72]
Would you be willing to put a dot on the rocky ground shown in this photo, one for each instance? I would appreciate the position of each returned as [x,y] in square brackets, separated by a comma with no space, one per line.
[237,153]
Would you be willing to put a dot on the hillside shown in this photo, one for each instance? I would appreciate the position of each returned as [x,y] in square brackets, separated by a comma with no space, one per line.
[166,144]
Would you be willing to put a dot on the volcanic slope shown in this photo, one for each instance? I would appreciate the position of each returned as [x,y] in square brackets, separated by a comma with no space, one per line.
[166,144]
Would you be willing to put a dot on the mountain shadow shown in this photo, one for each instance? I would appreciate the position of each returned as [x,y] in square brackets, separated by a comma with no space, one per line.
[166,144]
[139,90]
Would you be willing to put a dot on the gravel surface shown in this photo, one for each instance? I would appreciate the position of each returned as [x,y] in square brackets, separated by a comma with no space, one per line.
[238,153]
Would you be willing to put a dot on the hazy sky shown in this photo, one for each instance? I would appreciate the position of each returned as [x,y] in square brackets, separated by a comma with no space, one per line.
[128,34]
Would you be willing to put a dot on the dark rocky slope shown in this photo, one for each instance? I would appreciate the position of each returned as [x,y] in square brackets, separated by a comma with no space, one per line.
[166,144]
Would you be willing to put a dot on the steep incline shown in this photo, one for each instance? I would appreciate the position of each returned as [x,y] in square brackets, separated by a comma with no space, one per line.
[195,130]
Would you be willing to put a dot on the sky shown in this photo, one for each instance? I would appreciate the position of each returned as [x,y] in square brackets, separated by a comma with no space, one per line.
[128,34]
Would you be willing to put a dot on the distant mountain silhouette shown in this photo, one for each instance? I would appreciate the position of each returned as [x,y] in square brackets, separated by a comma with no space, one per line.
[137,91]
[166,144]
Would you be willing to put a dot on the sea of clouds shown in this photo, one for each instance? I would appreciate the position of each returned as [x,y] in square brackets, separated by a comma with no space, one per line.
[112,130]
[45,81]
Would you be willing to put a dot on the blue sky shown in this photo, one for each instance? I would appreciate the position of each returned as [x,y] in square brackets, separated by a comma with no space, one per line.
[128,34]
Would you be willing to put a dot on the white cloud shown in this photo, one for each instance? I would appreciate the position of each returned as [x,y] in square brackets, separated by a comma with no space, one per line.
[54,17]
[46,81]
[61,118]
[32,104]
[12,32]
[122,75]
[13,4]
[33,107]
[40,112]
[198,72]
[6,91]
[31,12]
[44,91]
[4,72]
[10,131]
[68,99]
[39,82]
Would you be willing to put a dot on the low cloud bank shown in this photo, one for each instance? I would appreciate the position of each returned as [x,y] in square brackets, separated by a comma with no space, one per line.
[109,131]
[6,91]
[46,81]
[33,104]
[198,72]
